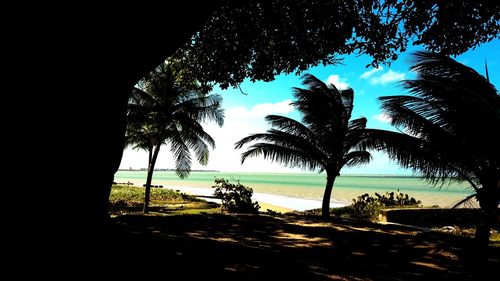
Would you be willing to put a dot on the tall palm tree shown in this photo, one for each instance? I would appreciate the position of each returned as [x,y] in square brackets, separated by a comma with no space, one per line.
[451,121]
[167,108]
[325,139]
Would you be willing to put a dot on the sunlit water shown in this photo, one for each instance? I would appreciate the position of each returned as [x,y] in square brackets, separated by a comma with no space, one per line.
[302,191]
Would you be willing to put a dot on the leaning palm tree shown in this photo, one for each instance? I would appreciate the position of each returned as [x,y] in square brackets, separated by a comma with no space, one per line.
[167,108]
[325,139]
[450,120]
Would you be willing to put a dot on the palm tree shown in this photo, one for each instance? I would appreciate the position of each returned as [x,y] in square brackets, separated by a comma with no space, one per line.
[167,108]
[451,121]
[325,139]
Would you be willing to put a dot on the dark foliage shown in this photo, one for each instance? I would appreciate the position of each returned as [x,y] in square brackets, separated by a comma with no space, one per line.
[367,207]
[391,199]
[236,198]
[450,118]
[260,39]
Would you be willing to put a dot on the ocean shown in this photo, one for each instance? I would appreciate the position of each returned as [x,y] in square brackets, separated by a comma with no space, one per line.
[302,191]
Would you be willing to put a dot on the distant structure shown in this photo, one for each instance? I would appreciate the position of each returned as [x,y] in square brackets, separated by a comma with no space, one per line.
[164,170]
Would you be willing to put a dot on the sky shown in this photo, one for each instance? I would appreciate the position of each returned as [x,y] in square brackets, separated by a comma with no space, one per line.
[244,113]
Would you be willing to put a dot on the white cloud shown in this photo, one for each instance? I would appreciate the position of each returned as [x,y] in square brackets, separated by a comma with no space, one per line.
[239,123]
[339,83]
[260,110]
[369,73]
[382,117]
[387,77]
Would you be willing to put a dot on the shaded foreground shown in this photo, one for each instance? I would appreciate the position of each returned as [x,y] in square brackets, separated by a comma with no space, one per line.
[262,247]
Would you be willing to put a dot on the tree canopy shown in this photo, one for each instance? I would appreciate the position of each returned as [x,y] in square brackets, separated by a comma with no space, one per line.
[260,39]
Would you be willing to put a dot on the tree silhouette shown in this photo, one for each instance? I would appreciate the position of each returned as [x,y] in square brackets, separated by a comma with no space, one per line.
[165,109]
[450,121]
[324,141]
[251,42]
[270,37]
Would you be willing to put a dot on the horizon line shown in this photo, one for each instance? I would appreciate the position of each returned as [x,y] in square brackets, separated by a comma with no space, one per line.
[275,172]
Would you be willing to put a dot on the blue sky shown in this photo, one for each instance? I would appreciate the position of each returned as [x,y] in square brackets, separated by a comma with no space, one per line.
[245,113]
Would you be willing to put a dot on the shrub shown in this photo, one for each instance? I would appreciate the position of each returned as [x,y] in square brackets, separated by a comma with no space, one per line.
[400,200]
[236,198]
[368,207]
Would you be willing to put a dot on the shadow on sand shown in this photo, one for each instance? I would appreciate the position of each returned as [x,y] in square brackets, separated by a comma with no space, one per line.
[240,247]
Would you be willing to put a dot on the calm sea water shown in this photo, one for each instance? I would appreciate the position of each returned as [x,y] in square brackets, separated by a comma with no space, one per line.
[311,186]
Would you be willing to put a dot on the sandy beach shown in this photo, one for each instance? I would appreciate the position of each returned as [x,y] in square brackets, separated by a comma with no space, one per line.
[278,192]
[267,201]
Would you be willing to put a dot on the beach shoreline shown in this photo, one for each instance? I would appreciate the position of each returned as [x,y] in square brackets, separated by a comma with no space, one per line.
[274,202]
[305,191]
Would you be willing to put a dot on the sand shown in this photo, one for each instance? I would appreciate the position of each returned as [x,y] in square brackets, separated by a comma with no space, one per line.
[300,199]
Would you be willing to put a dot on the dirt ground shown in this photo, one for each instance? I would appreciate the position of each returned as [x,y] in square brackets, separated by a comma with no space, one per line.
[247,247]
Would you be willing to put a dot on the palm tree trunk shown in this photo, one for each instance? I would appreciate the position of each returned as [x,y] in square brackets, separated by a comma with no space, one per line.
[151,168]
[482,235]
[150,156]
[325,208]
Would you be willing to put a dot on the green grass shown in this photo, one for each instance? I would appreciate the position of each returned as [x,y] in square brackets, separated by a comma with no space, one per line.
[130,200]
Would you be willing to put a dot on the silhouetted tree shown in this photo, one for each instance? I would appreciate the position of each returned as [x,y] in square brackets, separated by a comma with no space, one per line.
[324,140]
[450,120]
[164,109]
[258,41]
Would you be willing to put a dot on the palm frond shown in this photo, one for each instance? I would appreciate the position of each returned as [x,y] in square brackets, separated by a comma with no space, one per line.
[199,147]
[347,97]
[418,116]
[357,124]
[316,85]
[352,138]
[467,201]
[429,64]
[283,155]
[142,98]
[409,152]
[322,107]
[290,126]
[188,125]
[254,137]
[287,140]
[203,108]
[182,156]
[355,158]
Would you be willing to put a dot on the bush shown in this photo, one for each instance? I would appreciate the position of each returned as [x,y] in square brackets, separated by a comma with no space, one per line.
[368,207]
[401,200]
[236,198]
